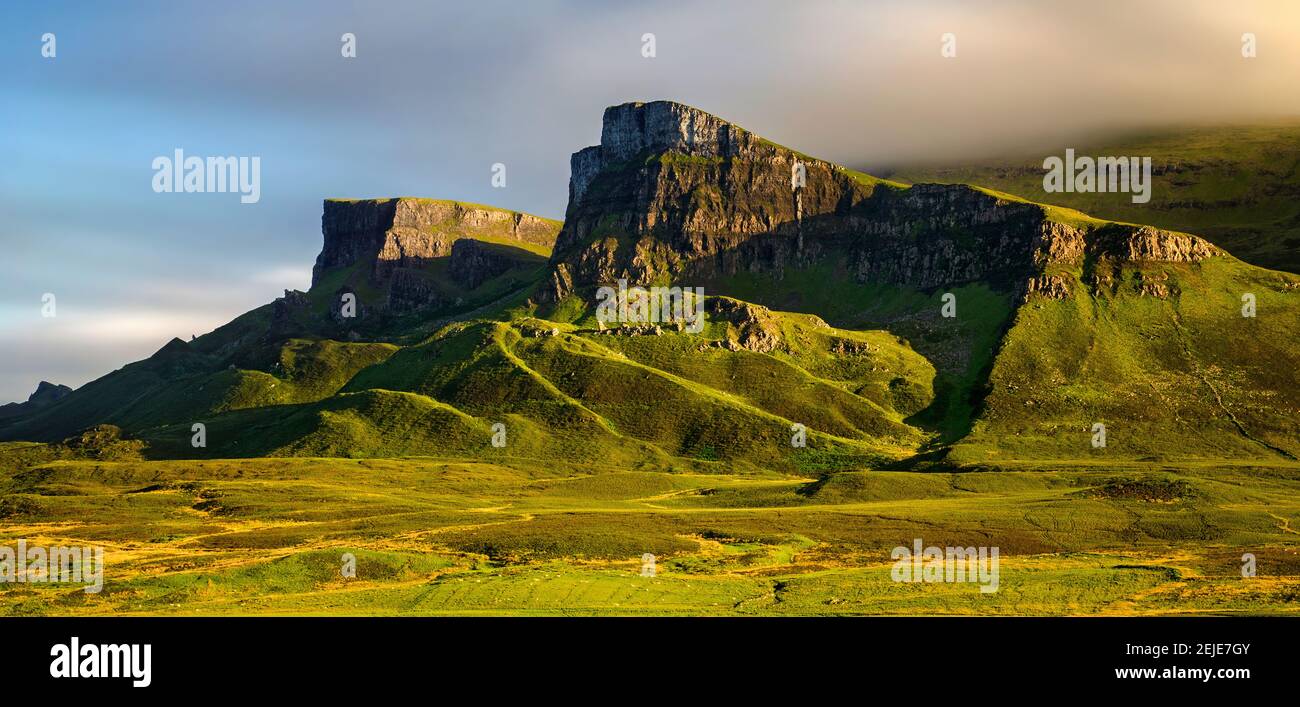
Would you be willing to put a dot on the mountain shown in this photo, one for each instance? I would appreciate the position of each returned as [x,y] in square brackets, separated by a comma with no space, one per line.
[1236,185]
[902,326]
[1063,320]
[409,261]
[46,393]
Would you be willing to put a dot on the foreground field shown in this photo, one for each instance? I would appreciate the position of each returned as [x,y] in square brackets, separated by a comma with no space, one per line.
[269,536]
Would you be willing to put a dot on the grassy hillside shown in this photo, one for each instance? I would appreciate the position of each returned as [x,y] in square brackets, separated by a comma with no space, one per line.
[180,383]
[563,391]
[960,349]
[1175,377]
[1238,186]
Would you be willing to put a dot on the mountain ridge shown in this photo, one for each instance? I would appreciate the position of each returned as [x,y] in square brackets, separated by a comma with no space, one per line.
[825,288]
[1235,184]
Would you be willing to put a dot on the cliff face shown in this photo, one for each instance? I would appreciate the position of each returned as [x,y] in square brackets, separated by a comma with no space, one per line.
[392,242]
[634,129]
[670,186]
[675,193]
[387,234]
[472,262]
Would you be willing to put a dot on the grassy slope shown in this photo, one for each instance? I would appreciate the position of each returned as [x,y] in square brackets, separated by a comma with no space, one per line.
[1238,186]
[960,349]
[1181,377]
[674,402]
[240,365]
[657,401]
[181,384]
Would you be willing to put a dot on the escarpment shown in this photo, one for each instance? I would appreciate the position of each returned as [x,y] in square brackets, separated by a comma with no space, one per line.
[386,234]
[674,193]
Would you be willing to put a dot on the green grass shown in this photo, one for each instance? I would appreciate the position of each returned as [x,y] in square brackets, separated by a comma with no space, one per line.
[182,385]
[435,537]
[959,349]
[583,396]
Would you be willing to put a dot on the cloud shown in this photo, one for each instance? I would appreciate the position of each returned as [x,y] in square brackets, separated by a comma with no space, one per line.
[97,329]
[78,346]
[293,277]
[865,82]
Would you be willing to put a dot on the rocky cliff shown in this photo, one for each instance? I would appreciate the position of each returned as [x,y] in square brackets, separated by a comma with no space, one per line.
[387,234]
[388,246]
[673,193]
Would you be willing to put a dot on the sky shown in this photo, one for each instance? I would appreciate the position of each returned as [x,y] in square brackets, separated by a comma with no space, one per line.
[438,92]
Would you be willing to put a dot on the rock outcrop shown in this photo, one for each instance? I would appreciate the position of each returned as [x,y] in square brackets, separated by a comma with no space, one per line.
[1049,286]
[1145,243]
[287,313]
[47,393]
[635,129]
[755,328]
[671,186]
